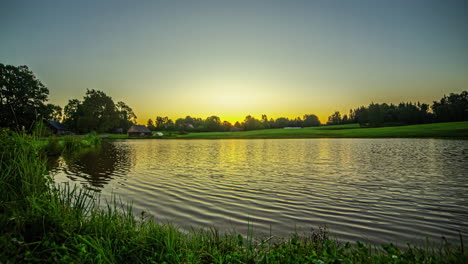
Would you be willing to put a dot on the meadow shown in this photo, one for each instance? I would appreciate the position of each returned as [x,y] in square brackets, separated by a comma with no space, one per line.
[435,130]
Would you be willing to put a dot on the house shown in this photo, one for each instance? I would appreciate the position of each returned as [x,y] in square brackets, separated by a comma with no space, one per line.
[138,131]
[56,127]
[236,129]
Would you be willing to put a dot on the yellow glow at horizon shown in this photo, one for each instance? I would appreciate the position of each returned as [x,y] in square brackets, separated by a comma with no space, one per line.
[232,99]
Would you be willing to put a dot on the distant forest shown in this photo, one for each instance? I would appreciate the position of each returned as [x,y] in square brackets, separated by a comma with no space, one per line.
[453,107]
[23,105]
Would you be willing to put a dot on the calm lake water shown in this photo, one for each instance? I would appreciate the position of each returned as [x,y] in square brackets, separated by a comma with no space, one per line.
[379,190]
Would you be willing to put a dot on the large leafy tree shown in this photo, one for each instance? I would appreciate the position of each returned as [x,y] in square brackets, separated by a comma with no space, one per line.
[150,124]
[164,123]
[54,112]
[251,123]
[311,120]
[71,114]
[126,115]
[213,123]
[334,119]
[452,108]
[97,112]
[22,97]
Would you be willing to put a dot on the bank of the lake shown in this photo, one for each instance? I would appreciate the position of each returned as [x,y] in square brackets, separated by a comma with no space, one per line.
[436,130]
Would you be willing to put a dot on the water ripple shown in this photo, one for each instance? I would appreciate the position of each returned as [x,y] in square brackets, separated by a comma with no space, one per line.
[381,190]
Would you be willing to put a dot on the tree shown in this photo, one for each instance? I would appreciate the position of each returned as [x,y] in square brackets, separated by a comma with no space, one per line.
[311,120]
[251,123]
[451,108]
[334,119]
[164,123]
[213,123]
[345,119]
[170,126]
[22,97]
[70,114]
[361,116]
[97,113]
[160,123]
[376,117]
[281,122]
[265,122]
[126,115]
[150,125]
[53,112]
[226,126]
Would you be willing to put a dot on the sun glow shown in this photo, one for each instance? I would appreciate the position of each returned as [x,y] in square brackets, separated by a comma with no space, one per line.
[233,100]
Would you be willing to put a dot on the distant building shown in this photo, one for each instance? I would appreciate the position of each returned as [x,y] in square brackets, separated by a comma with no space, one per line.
[236,129]
[57,128]
[138,131]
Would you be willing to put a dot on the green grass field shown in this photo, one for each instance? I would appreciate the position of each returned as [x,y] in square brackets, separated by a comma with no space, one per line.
[437,130]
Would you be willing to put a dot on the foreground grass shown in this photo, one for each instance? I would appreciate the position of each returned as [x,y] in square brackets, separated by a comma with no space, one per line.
[436,130]
[40,222]
[54,146]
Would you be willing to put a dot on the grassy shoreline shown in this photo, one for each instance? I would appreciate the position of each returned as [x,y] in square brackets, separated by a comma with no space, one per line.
[436,130]
[40,222]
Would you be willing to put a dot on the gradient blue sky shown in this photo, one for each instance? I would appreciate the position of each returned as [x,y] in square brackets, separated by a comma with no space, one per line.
[233,58]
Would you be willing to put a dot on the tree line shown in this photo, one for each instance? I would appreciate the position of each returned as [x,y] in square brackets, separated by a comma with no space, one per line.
[214,123]
[23,103]
[453,107]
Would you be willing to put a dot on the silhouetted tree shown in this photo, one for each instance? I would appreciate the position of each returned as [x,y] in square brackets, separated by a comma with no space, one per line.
[281,122]
[53,112]
[126,115]
[451,108]
[334,119]
[150,125]
[213,123]
[251,123]
[311,120]
[376,117]
[97,113]
[164,123]
[265,122]
[227,126]
[22,97]
[345,119]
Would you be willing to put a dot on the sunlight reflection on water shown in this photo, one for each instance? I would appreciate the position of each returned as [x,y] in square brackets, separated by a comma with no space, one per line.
[362,189]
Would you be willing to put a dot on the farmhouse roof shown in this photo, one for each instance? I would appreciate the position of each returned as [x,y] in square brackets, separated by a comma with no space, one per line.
[56,125]
[138,129]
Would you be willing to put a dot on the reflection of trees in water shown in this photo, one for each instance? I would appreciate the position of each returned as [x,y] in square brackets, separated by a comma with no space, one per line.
[100,165]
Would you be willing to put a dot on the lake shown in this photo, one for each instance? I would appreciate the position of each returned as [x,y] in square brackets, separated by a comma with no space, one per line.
[378,190]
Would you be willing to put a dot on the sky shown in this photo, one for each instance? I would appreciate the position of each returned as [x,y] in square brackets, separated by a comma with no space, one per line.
[238,58]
